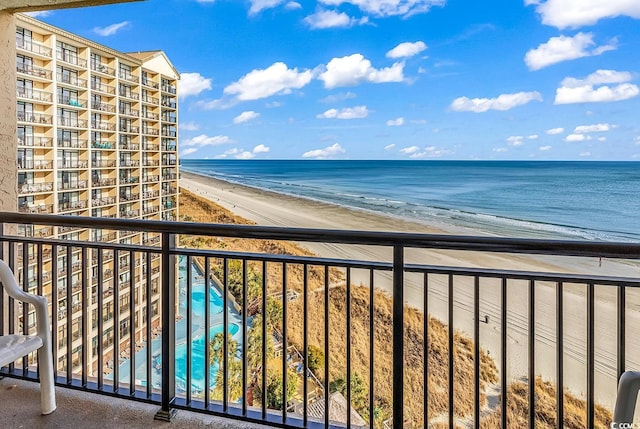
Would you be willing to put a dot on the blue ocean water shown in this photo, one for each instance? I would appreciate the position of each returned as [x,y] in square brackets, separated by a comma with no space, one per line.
[574,200]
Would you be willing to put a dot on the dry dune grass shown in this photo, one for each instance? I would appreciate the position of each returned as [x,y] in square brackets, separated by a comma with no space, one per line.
[198,209]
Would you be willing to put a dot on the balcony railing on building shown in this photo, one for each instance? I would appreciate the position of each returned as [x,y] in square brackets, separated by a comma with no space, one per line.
[169,356]
[150,115]
[71,122]
[129,146]
[64,206]
[105,201]
[31,46]
[128,76]
[169,133]
[71,80]
[128,94]
[35,141]
[127,163]
[77,184]
[72,143]
[34,164]
[102,68]
[129,197]
[34,94]
[103,126]
[103,87]
[104,182]
[103,163]
[132,129]
[129,214]
[148,99]
[129,112]
[70,58]
[150,194]
[148,82]
[169,88]
[35,71]
[34,188]
[72,101]
[103,107]
[150,131]
[103,144]
[66,163]
[40,208]
[35,118]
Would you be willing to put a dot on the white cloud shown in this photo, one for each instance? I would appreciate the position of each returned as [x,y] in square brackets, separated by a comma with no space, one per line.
[275,79]
[395,122]
[584,154]
[409,150]
[500,149]
[188,126]
[273,104]
[636,140]
[602,139]
[245,117]
[192,84]
[600,86]
[515,140]
[595,128]
[407,49]
[502,102]
[258,6]
[357,112]
[110,30]
[354,69]
[564,48]
[545,148]
[554,131]
[188,151]
[392,145]
[577,13]
[205,140]
[338,97]
[261,149]
[430,152]
[327,152]
[383,8]
[331,19]
[293,5]
[577,137]
[533,137]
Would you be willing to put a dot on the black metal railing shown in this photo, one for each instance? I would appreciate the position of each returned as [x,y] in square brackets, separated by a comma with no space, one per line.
[189,328]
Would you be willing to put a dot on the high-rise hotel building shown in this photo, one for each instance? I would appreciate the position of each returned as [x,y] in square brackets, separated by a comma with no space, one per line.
[97,136]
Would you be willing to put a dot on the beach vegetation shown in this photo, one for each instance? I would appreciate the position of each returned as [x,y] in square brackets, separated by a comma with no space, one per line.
[433,350]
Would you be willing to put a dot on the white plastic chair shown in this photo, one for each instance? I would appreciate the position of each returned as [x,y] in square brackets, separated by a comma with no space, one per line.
[13,347]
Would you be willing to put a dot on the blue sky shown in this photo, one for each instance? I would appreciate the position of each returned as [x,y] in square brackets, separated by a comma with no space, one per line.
[391,79]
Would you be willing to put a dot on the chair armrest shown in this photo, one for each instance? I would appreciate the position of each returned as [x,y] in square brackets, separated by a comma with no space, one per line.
[39,302]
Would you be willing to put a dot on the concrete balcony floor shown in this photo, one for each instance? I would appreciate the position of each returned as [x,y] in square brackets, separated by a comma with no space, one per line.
[21,409]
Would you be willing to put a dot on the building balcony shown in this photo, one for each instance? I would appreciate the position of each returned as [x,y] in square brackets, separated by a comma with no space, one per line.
[34,95]
[72,101]
[150,115]
[130,179]
[128,94]
[34,188]
[150,131]
[149,100]
[170,176]
[65,206]
[152,178]
[70,58]
[150,194]
[35,71]
[34,47]
[129,163]
[71,80]
[66,186]
[99,202]
[103,126]
[103,163]
[151,163]
[35,141]
[104,88]
[73,144]
[129,197]
[65,164]
[35,118]
[169,191]
[169,118]
[34,164]
[150,83]
[103,144]
[103,107]
[169,133]
[150,210]
[71,122]
[129,214]
[131,129]
[522,316]
[103,182]
[150,146]
[129,112]
[169,88]
[40,208]
[102,68]
[128,77]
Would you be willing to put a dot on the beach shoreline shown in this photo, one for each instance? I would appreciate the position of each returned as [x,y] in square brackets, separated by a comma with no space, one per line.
[267,208]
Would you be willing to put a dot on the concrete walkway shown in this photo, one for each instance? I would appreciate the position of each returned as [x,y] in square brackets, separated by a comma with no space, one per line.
[21,409]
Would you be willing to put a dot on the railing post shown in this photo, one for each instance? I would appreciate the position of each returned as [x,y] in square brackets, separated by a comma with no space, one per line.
[398,336]
[168,327]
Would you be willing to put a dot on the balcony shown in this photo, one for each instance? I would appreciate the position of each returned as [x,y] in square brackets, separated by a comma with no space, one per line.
[64,206]
[103,182]
[129,112]
[99,202]
[129,163]
[103,107]
[35,141]
[72,164]
[72,101]
[34,94]
[169,88]
[71,122]
[148,99]
[73,144]
[103,126]
[131,129]
[34,188]
[102,68]
[124,75]
[35,118]
[150,131]
[103,163]
[34,71]
[71,80]
[128,94]
[150,115]
[103,145]
[484,301]
[35,164]
[35,47]
[65,186]
[102,87]
[70,57]
[151,163]
[129,197]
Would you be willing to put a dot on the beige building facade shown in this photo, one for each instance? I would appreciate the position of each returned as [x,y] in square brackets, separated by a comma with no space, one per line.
[96,136]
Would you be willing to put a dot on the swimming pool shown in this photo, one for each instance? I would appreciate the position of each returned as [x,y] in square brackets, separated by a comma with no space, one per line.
[198,342]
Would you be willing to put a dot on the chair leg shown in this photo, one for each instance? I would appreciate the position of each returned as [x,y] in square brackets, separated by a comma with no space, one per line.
[47,381]
[628,388]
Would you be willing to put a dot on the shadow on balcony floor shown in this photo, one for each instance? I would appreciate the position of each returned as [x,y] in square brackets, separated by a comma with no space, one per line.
[21,409]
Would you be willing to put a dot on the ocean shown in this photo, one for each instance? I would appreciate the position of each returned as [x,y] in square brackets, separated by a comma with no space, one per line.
[558,200]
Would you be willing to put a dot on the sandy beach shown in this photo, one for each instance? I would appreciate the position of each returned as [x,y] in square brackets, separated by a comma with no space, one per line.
[272,209]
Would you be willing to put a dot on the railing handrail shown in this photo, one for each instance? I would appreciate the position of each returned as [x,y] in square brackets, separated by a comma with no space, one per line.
[375,238]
